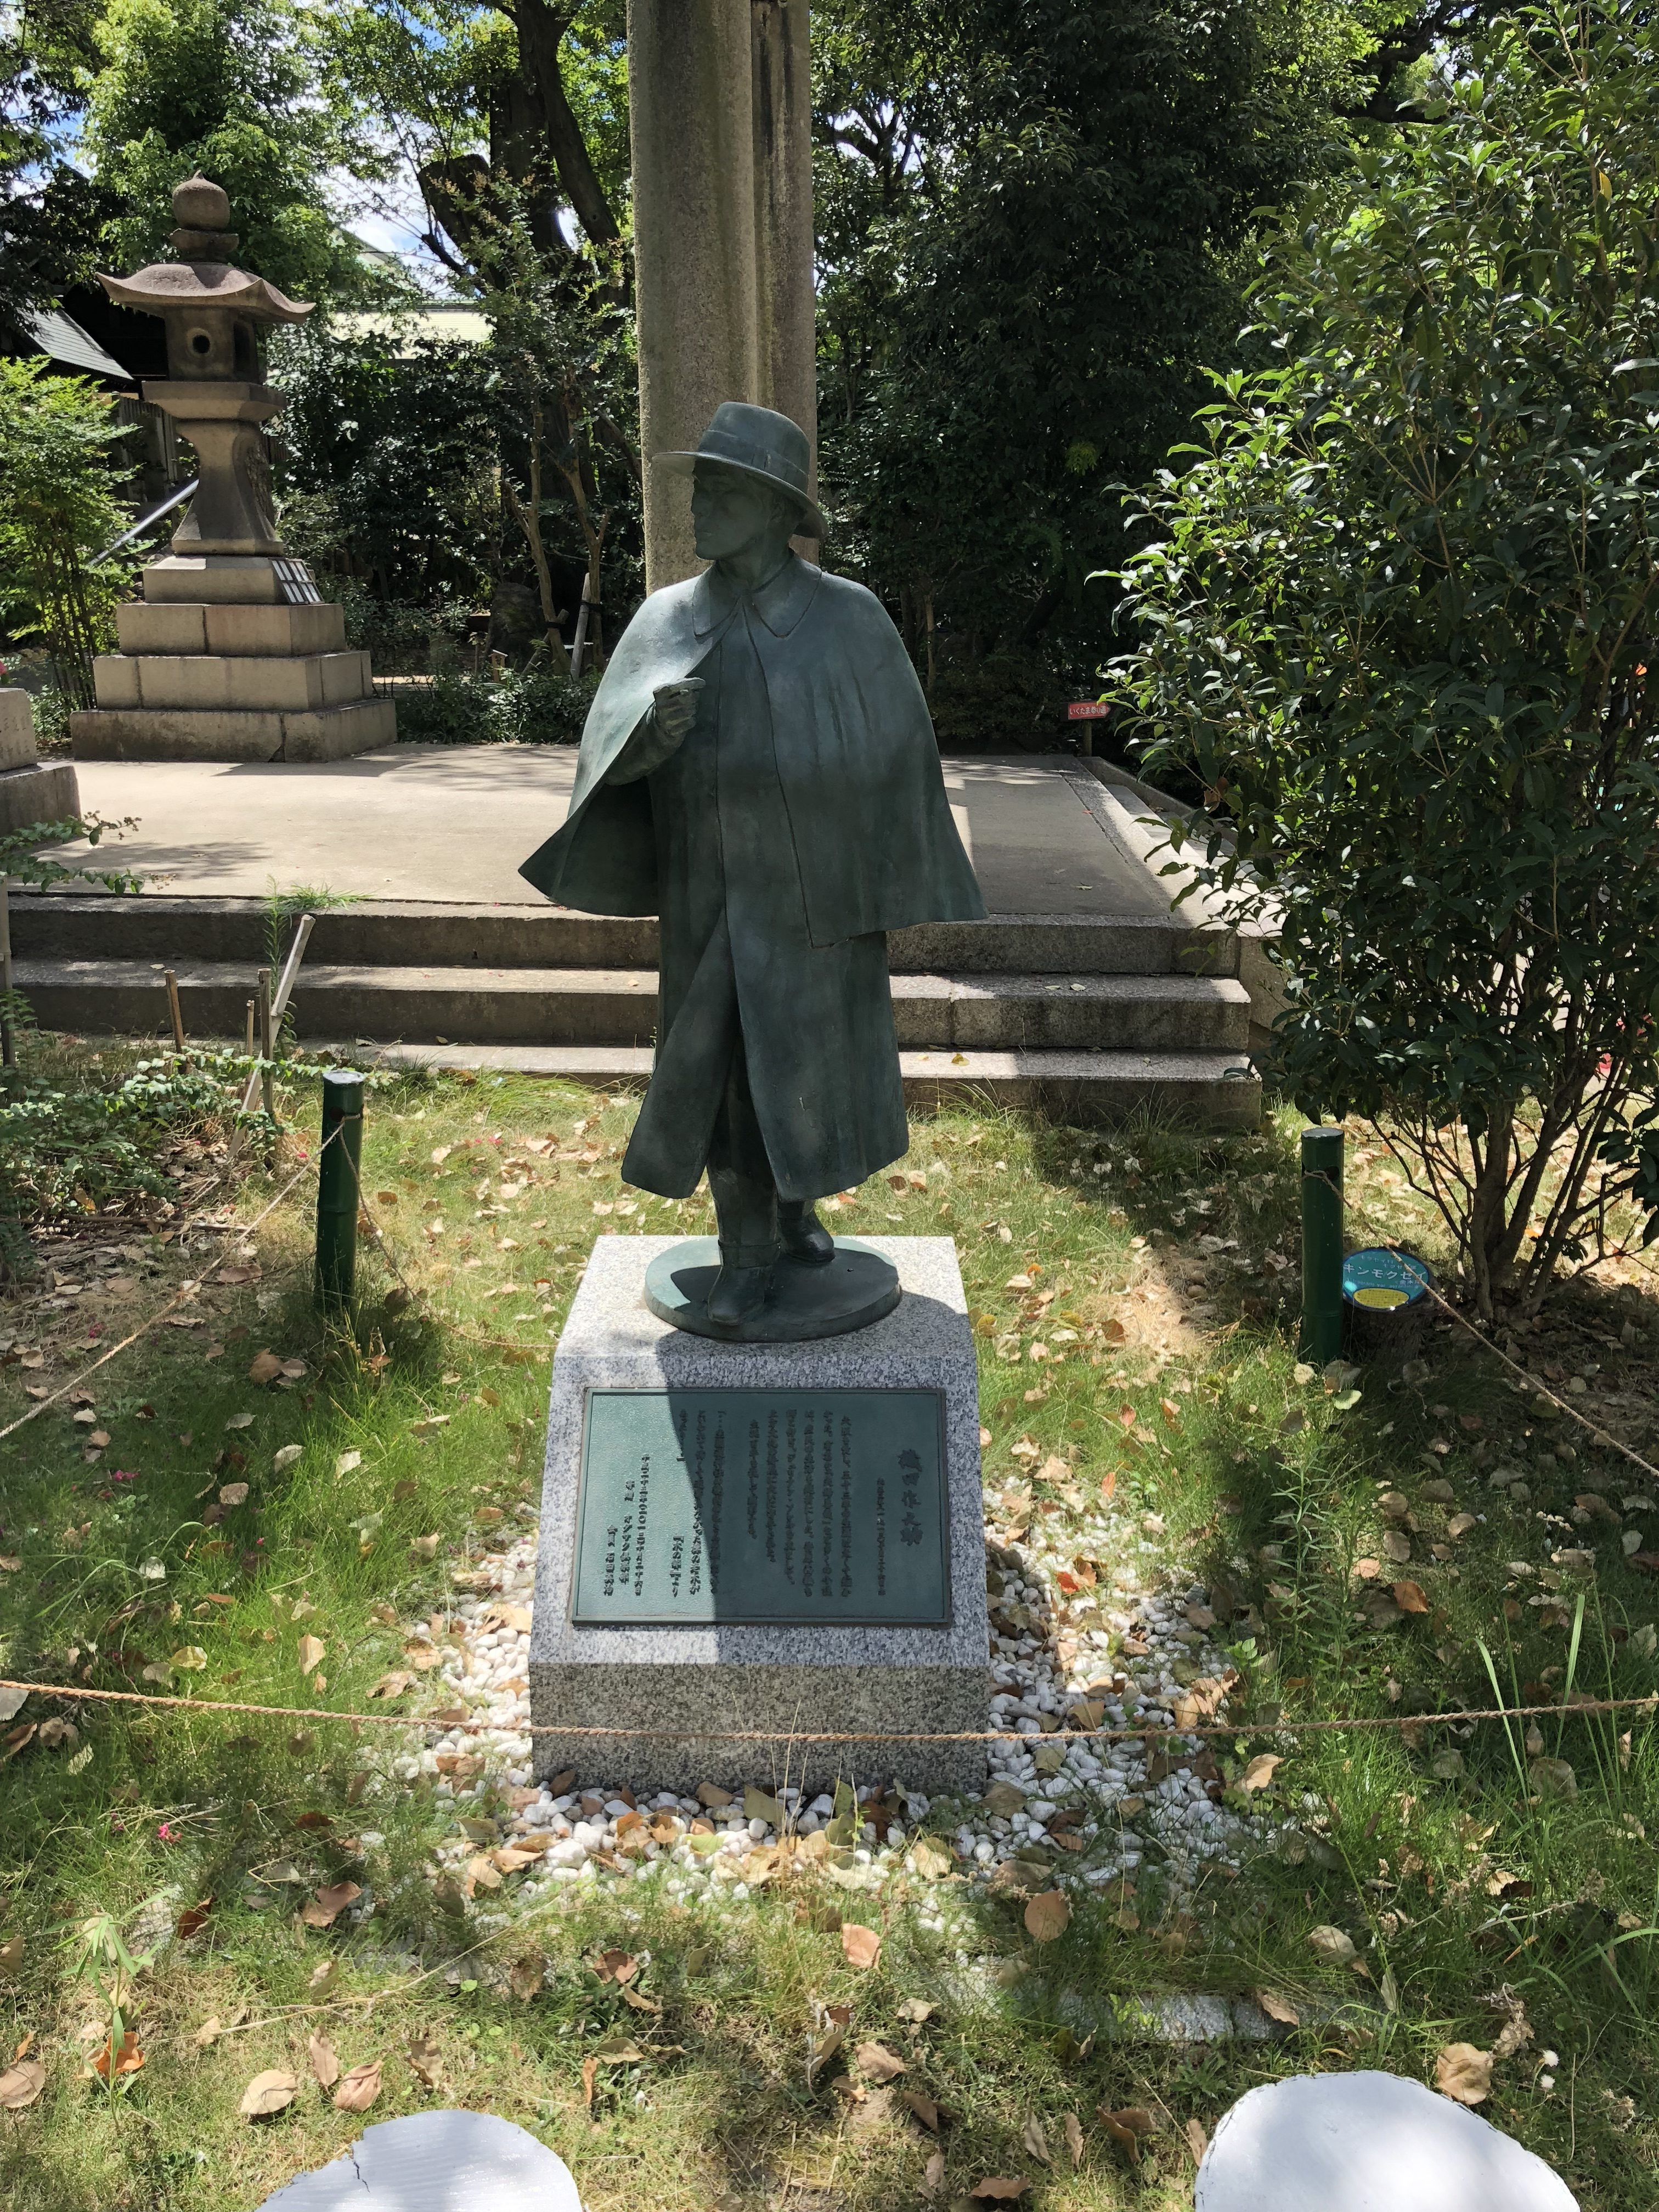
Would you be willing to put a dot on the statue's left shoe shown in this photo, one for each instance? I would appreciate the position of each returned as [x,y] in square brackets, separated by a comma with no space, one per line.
[804,1237]
[738,1295]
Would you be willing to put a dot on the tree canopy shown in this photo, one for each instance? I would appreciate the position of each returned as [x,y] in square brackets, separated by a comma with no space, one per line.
[1400,610]
[1033,225]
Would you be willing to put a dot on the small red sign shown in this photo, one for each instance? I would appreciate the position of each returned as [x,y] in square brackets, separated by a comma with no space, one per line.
[1087,710]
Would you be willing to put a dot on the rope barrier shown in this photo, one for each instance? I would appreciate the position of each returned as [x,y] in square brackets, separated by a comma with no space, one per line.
[1144,1732]
[1140,1733]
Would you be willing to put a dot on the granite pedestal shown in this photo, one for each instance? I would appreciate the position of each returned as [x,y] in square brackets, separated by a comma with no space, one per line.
[31,790]
[882,1627]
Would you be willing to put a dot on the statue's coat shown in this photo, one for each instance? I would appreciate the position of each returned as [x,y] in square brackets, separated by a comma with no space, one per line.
[875,844]
[804,815]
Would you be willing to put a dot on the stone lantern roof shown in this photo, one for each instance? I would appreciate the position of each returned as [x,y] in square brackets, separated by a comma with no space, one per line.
[211,310]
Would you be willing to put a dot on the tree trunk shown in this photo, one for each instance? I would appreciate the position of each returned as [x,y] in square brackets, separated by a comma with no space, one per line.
[541,33]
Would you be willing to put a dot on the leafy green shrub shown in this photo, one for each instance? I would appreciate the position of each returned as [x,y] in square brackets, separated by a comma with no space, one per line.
[64,1145]
[1399,614]
[58,508]
[527,706]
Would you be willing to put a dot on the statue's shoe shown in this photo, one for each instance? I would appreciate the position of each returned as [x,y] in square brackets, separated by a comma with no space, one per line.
[738,1295]
[804,1237]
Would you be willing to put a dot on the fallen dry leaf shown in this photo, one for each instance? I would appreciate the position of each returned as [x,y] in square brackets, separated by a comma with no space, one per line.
[324,2066]
[192,1919]
[1279,2008]
[1463,2073]
[1003,2188]
[930,1860]
[524,1976]
[358,2091]
[916,2010]
[861,1945]
[21,2084]
[126,2060]
[1260,1771]
[311,1652]
[1127,2125]
[933,2175]
[323,1978]
[1409,1597]
[880,2063]
[1035,2139]
[266,1367]
[1074,2139]
[821,2056]
[1047,1916]
[11,1955]
[324,1906]
[1197,2142]
[271,2092]
[426,2062]
[925,2110]
[1331,1943]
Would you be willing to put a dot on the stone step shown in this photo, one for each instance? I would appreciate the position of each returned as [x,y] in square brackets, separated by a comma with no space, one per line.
[38,791]
[618,1006]
[155,926]
[240,682]
[230,733]
[1216,1091]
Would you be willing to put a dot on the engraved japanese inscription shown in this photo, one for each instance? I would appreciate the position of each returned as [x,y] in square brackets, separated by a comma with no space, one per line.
[762,1506]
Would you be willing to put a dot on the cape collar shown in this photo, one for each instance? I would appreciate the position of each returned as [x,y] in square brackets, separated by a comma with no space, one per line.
[780,604]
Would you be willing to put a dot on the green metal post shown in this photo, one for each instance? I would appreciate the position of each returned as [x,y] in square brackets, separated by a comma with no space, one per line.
[1322,1245]
[336,1187]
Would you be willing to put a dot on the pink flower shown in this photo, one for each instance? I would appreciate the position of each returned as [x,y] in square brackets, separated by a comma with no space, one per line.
[165,1834]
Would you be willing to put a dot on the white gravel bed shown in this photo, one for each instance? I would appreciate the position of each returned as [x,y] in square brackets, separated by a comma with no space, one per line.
[1099,1797]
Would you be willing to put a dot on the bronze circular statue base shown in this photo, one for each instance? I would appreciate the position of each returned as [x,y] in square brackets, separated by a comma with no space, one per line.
[806,1300]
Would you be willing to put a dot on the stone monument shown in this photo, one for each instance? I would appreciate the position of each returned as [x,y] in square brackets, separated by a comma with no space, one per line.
[31,790]
[231,655]
[762,1506]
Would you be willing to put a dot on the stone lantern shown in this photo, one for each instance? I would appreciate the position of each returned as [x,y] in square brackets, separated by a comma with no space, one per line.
[231,654]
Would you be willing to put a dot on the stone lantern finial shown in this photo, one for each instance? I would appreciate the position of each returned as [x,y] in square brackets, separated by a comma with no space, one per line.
[202,211]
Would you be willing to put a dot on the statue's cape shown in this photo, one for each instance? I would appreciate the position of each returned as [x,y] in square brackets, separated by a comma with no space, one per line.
[875,845]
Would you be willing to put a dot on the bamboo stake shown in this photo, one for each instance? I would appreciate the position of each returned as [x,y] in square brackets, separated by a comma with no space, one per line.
[267,1047]
[175,1010]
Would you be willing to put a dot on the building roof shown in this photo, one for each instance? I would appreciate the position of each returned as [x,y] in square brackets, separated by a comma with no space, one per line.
[62,339]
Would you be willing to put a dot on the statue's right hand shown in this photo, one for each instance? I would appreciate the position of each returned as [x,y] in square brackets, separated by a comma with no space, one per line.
[674,707]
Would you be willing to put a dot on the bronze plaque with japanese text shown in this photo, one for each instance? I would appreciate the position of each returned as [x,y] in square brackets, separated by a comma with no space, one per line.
[762,1506]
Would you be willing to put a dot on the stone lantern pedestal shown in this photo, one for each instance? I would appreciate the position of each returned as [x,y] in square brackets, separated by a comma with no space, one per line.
[231,655]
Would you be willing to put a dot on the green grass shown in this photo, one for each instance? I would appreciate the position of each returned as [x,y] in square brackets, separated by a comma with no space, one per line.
[1379,1835]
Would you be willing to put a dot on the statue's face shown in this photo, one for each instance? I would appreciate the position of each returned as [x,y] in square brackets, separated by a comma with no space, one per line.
[731,513]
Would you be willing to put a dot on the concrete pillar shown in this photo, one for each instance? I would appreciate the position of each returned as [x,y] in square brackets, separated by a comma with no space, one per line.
[721,120]
[694,242]
[784,235]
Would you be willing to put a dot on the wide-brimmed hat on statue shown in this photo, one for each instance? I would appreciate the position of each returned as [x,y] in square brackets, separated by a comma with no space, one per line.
[758,442]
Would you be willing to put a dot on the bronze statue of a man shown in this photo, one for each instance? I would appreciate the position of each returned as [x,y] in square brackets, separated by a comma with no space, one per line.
[759,770]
